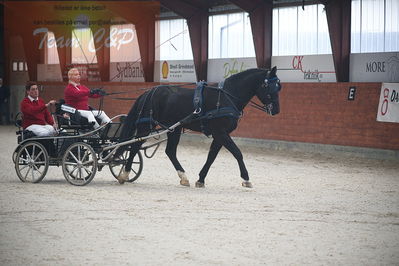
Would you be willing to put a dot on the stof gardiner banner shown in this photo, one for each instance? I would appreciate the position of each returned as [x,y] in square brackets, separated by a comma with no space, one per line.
[32,20]
[388,107]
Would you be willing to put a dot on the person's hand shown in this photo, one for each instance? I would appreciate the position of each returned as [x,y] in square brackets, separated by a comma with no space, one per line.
[98,92]
[51,102]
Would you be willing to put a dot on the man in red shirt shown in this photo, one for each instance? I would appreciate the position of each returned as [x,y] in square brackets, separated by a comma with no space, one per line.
[36,117]
[77,96]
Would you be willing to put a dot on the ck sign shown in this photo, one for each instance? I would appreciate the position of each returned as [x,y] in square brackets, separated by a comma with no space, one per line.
[351,93]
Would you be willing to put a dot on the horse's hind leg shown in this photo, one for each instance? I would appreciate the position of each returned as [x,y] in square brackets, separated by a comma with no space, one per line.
[213,152]
[229,144]
[171,149]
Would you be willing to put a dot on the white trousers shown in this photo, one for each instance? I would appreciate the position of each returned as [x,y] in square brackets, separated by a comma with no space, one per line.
[42,130]
[90,116]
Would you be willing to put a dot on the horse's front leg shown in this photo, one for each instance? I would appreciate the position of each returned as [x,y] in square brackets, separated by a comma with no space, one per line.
[213,152]
[171,149]
[229,144]
[124,174]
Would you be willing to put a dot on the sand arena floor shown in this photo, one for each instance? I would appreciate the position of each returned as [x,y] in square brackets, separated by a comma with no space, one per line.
[305,208]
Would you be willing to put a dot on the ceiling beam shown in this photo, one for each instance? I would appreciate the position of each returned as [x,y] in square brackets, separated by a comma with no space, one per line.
[260,14]
[339,25]
[196,13]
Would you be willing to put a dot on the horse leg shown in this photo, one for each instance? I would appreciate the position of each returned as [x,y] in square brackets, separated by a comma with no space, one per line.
[171,148]
[213,152]
[124,175]
[229,144]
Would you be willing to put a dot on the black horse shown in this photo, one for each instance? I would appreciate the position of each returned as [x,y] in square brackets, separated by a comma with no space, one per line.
[213,111]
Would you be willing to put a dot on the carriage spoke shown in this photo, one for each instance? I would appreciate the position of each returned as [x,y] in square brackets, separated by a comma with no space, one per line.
[79,157]
[27,154]
[33,175]
[40,153]
[33,152]
[27,172]
[40,163]
[37,169]
[26,165]
[85,155]
[69,163]
[73,156]
[88,162]
[87,171]
[73,170]
[120,171]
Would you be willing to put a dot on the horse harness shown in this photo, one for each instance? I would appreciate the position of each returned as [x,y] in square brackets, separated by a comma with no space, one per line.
[198,114]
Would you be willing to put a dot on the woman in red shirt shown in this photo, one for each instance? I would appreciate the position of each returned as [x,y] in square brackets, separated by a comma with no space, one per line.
[77,96]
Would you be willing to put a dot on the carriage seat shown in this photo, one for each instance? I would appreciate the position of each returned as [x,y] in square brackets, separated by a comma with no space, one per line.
[70,118]
[22,134]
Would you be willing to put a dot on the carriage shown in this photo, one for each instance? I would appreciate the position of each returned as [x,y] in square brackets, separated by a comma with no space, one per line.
[79,149]
[161,110]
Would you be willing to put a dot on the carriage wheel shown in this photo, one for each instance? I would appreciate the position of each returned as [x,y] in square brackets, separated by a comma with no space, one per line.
[117,165]
[79,164]
[31,162]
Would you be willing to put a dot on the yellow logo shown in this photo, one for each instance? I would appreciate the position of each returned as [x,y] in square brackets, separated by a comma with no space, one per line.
[165,69]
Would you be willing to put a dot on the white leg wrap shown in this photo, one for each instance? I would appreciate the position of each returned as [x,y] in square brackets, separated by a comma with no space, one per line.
[124,176]
[183,179]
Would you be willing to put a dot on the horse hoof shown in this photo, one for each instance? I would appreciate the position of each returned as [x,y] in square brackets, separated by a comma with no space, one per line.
[185,182]
[247,184]
[123,177]
[183,179]
[199,184]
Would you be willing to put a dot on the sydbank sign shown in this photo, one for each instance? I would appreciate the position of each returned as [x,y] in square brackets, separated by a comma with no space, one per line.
[126,72]
[374,67]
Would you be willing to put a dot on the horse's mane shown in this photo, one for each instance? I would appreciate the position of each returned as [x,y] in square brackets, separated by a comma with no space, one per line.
[245,74]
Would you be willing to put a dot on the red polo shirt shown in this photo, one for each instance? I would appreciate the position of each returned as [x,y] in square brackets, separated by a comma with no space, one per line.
[78,96]
[35,113]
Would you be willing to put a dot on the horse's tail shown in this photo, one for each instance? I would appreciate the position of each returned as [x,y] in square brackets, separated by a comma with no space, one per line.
[129,126]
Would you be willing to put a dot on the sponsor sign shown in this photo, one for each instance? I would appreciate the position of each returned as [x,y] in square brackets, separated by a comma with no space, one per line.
[126,72]
[305,68]
[374,67]
[49,72]
[175,71]
[220,69]
[388,107]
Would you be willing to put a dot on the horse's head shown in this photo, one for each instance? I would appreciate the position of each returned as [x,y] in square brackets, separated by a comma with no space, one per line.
[268,92]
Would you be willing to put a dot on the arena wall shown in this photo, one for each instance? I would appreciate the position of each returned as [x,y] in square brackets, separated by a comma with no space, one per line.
[310,112]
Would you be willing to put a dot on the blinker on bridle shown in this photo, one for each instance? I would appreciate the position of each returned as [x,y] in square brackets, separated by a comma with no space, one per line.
[267,107]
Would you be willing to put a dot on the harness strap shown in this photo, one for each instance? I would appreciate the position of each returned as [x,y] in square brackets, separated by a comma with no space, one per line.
[198,97]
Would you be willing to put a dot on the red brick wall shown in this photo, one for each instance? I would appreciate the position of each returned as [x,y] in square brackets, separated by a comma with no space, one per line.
[310,112]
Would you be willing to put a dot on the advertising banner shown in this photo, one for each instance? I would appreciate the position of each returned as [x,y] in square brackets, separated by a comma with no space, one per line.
[374,67]
[175,71]
[388,107]
[126,72]
[305,68]
[36,21]
[220,69]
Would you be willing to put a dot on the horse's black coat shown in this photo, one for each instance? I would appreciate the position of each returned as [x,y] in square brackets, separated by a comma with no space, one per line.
[165,105]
